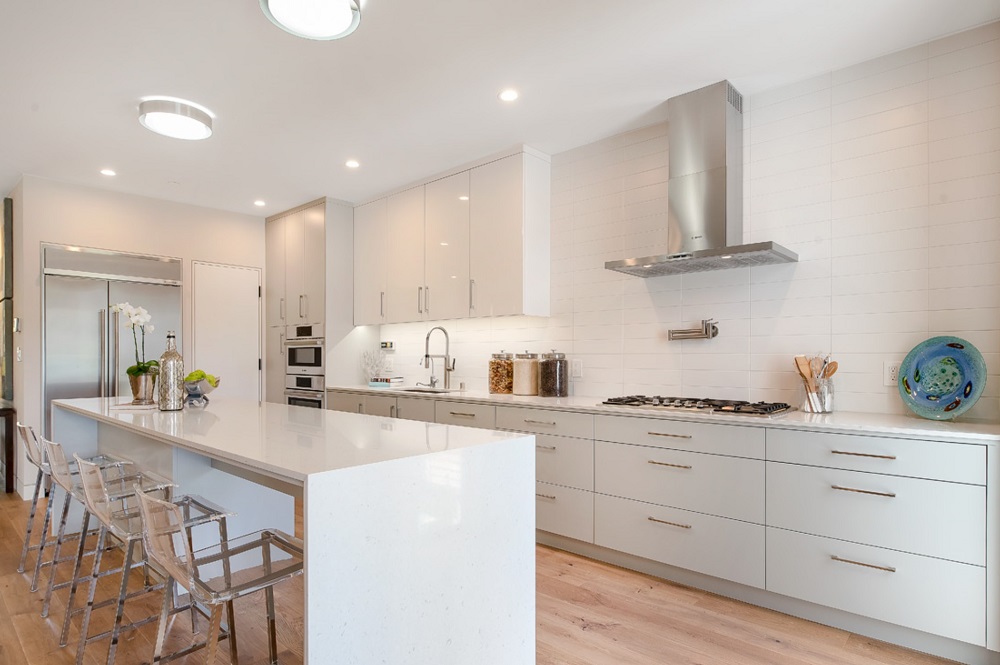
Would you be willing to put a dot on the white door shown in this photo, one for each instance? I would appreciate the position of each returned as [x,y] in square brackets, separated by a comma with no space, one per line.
[446,247]
[226,327]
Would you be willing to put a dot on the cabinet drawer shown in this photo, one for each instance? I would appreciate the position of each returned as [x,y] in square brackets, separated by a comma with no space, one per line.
[538,421]
[415,408]
[564,460]
[945,520]
[935,596]
[697,437]
[711,545]
[349,402]
[470,415]
[380,405]
[566,511]
[715,484]
[957,462]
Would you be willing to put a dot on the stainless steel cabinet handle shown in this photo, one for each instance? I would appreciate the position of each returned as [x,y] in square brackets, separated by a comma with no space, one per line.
[844,452]
[678,524]
[114,366]
[281,309]
[361,407]
[281,342]
[672,436]
[102,316]
[891,495]
[303,313]
[676,466]
[462,415]
[540,422]
[381,304]
[545,496]
[541,447]
[420,294]
[472,302]
[427,299]
[888,569]
[392,410]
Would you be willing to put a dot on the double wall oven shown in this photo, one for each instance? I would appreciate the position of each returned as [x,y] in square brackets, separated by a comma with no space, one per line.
[305,368]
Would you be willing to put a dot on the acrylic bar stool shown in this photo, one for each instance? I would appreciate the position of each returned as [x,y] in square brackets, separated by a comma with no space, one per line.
[264,559]
[33,450]
[122,523]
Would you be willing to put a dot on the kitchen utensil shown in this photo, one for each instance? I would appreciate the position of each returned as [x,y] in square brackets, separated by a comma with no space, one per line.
[830,369]
[805,371]
[942,377]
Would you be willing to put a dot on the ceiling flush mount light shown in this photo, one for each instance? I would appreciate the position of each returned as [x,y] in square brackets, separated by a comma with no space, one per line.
[108,172]
[352,164]
[508,95]
[314,19]
[463,198]
[259,203]
[176,118]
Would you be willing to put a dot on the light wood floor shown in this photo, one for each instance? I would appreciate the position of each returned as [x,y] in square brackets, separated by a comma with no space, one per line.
[588,613]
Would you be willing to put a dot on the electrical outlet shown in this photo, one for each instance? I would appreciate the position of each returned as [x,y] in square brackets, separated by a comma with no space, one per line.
[890,373]
[576,369]
[388,363]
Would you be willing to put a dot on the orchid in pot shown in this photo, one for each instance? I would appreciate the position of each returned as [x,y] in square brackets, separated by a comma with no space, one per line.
[141,375]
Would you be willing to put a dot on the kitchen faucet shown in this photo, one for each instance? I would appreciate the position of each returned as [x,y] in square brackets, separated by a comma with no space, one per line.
[449,364]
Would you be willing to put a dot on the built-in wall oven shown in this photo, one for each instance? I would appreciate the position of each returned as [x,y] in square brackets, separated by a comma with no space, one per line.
[305,366]
[312,399]
[304,356]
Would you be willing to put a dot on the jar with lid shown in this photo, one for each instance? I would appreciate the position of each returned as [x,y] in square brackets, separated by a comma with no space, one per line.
[553,375]
[502,373]
[526,374]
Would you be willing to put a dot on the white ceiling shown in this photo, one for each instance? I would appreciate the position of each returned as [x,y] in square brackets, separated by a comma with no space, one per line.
[411,93]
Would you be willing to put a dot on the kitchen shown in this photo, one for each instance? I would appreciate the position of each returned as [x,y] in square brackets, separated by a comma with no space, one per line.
[867,286]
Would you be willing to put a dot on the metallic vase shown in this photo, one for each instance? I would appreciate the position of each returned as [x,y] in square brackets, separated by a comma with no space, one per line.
[142,388]
[171,394]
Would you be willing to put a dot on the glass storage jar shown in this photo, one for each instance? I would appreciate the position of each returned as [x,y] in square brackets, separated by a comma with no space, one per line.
[553,375]
[526,373]
[502,373]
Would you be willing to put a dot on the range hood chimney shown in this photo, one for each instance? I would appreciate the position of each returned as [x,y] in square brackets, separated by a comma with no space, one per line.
[705,190]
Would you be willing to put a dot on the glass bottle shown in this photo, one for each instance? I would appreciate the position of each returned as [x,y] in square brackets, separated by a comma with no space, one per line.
[526,374]
[553,375]
[170,394]
[502,373]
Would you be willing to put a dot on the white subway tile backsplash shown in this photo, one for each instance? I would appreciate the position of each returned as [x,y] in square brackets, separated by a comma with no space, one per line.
[963,124]
[811,306]
[973,187]
[869,144]
[876,123]
[969,166]
[788,92]
[882,262]
[963,81]
[889,282]
[893,220]
[897,199]
[965,39]
[971,252]
[877,243]
[889,62]
[787,110]
[963,59]
[797,124]
[886,100]
[880,322]
[964,102]
[904,178]
[880,83]
[873,303]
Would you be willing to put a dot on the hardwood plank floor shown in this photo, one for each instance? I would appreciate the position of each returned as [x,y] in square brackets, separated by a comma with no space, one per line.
[588,613]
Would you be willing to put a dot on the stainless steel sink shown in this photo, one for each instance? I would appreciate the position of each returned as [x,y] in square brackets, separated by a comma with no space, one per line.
[427,389]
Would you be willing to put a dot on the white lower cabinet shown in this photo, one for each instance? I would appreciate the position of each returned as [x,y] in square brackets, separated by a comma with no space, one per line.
[565,511]
[716,546]
[380,405]
[563,460]
[415,408]
[939,597]
[349,402]
[467,414]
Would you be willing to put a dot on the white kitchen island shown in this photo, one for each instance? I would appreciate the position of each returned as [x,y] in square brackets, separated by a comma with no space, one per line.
[419,537]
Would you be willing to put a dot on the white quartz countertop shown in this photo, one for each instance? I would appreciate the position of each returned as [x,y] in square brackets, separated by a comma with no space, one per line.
[839,422]
[286,442]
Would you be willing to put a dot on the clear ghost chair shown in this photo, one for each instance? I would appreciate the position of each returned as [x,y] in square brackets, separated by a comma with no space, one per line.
[216,575]
[112,504]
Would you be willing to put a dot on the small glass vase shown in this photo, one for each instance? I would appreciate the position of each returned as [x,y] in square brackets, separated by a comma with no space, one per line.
[142,386]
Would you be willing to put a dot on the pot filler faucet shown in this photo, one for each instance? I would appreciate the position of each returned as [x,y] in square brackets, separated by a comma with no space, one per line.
[449,364]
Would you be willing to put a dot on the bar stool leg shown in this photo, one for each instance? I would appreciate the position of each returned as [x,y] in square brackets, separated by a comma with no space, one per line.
[169,589]
[31,522]
[41,543]
[85,625]
[272,639]
[214,622]
[81,548]
[55,557]
[122,592]
[227,570]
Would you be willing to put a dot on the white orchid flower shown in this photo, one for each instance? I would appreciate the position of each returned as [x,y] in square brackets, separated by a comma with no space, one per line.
[149,327]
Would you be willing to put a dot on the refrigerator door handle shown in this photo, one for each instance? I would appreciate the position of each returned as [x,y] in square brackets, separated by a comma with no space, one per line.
[103,321]
[114,367]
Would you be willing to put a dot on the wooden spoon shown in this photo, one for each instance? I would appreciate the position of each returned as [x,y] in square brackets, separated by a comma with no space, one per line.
[830,369]
[802,364]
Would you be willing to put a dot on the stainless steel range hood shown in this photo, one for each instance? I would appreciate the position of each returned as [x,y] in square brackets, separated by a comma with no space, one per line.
[705,190]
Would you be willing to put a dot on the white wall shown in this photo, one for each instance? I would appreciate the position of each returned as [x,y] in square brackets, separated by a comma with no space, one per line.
[57,212]
[884,177]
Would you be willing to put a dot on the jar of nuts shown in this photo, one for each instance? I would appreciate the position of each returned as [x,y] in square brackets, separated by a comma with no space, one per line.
[502,373]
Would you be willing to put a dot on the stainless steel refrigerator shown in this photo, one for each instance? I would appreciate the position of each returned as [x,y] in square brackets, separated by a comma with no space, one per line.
[87,348]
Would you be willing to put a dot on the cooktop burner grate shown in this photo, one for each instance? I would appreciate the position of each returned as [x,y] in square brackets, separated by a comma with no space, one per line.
[701,404]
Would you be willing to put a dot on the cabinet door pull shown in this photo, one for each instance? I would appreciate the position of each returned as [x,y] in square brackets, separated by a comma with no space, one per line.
[381,304]
[303,313]
[541,447]
[891,495]
[888,569]
[361,407]
[392,410]
[844,452]
[545,496]
[281,309]
[427,299]
[672,436]
[460,414]
[281,342]
[677,524]
[420,298]
[472,302]
[540,422]
[676,466]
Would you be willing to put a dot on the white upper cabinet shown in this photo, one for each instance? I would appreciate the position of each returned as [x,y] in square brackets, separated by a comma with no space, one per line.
[509,236]
[371,238]
[296,267]
[405,260]
[446,248]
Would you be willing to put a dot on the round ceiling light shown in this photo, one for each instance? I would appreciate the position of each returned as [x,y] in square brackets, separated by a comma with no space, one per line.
[175,118]
[108,172]
[314,19]
[352,163]
[508,95]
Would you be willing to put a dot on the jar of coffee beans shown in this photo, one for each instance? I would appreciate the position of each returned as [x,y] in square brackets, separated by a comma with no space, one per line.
[553,375]
[502,373]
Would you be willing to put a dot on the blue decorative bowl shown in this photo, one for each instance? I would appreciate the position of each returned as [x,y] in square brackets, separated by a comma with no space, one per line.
[942,377]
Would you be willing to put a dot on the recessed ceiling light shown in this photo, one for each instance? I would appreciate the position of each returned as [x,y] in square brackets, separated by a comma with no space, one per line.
[352,164]
[444,244]
[508,94]
[176,118]
[463,198]
[107,172]
[314,19]
[259,203]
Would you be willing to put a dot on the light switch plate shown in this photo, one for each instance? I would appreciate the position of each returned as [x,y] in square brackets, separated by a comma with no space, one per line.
[576,369]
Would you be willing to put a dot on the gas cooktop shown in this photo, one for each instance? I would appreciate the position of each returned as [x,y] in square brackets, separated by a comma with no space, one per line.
[765,409]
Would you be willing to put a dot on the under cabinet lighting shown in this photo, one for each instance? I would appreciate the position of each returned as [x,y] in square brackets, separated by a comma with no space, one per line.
[108,172]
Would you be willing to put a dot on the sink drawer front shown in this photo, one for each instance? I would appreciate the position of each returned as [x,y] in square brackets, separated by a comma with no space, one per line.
[930,517]
[955,462]
[711,545]
[681,435]
[564,510]
[932,595]
[715,484]
[415,408]
[470,415]
[563,460]
[538,421]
